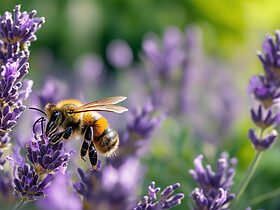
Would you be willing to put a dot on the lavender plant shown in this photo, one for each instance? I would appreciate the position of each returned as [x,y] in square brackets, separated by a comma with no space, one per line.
[213,192]
[265,89]
[17,31]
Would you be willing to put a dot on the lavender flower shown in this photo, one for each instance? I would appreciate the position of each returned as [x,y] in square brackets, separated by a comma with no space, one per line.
[164,57]
[142,123]
[45,156]
[167,199]
[17,31]
[60,196]
[222,197]
[266,89]
[28,186]
[164,61]
[112,188]
[52,91]
[262,143]
[119,54]
[11,95]
[89,68]
[270,57]
[214,187]
[264,119]
[140,126]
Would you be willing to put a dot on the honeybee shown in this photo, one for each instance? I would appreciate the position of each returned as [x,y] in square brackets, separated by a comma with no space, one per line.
[75,118]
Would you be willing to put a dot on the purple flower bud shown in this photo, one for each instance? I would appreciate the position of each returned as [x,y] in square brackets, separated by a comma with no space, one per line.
[19,26]
[270,57]
[28,185]
[142,123]
[264,90]
[264,143]
[264,119]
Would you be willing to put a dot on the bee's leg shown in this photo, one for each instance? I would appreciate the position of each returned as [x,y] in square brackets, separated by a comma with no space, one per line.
[88,136]
[93,156]
[55,138]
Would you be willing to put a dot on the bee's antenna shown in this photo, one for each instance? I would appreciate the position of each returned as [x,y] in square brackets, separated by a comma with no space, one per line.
[39,110]
[41,119]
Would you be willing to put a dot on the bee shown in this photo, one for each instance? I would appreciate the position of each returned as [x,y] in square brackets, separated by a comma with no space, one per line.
[73,118]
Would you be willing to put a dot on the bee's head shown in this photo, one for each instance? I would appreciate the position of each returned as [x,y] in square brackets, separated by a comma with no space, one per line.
[54,118]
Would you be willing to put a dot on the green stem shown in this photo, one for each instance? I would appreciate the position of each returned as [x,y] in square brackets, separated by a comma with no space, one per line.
[19,204]
[248,175]
[264,196]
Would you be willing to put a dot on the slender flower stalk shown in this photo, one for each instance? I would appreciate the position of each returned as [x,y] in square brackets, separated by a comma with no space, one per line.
[248,175]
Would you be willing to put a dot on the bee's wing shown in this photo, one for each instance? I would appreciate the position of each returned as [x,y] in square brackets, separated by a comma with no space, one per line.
[106,108]
[107,104]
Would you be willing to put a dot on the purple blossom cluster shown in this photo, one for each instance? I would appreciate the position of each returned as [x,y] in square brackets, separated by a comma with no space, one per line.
[113,188]
[45,159]
[266,90]
[28,185]
[140,126]
[166,200]
[165,62]
[213,192]
[17,31]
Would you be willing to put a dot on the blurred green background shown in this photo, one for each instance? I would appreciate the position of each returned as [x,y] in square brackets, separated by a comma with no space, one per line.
[232,31]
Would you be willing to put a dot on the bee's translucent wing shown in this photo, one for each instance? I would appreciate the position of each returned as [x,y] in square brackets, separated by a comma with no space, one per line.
[107,108]
[107,104]
[105,101]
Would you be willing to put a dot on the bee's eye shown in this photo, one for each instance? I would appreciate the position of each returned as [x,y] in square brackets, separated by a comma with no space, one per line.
[55,116]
